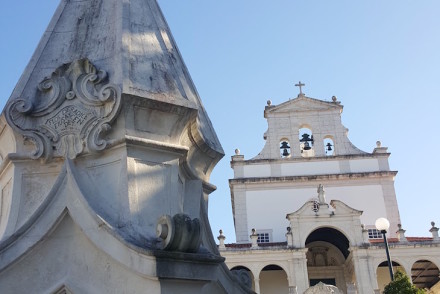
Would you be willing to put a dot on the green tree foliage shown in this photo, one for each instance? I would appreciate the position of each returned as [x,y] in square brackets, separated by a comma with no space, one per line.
[402,285]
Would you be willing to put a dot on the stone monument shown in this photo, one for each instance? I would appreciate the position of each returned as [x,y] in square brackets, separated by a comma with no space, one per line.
[322,288]
[106,153]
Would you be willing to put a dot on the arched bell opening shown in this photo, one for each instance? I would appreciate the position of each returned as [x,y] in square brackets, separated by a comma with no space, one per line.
[383,273]
[328,258]
[306,141]
[273,280]
[285,150]
[425,274]
[329,146]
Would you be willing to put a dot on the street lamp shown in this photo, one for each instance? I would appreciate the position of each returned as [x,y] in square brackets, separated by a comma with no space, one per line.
[382,224]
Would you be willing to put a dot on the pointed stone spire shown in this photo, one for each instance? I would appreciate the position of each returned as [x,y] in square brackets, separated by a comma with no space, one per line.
[131,41]
[108,103]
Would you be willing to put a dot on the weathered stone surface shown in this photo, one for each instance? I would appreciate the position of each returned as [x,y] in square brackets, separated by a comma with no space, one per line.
[128,39]
[68,112]
[108,104]
[322,288]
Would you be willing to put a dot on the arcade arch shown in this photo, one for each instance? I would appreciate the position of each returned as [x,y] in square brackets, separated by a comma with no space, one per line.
[327,258]
[383,274]
[424,274]
[249,272]
[273,280]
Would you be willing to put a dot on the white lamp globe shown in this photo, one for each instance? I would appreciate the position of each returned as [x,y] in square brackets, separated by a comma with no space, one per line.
[382,224]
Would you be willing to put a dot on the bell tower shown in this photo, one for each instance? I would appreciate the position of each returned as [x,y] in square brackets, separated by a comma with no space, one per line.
[307,146]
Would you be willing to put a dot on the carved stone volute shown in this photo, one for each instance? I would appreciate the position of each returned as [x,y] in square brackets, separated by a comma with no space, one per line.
[69,112]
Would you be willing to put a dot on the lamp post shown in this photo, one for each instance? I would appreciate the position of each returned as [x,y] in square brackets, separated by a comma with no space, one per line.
[382,224]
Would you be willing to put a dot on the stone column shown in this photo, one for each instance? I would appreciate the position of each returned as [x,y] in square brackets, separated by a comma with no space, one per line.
[351,288]
[300,279]
[366,280]
[257,285]
[293,290]
[373,274]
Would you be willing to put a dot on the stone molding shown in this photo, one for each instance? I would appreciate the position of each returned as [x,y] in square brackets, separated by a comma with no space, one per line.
[238,160]
[308,178]
[69,112]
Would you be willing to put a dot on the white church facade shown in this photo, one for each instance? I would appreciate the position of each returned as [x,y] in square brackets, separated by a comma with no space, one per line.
[305,209]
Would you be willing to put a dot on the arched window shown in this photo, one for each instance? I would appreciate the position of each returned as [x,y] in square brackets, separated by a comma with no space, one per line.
[329,146]
[327,258]
[306,141]
[284,148]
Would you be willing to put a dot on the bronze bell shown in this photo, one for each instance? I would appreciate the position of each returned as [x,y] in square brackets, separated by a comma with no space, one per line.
[305,138]
[285,146]
[329,147]
[307,146]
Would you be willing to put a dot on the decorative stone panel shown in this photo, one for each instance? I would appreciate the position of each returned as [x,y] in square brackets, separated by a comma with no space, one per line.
[69,112]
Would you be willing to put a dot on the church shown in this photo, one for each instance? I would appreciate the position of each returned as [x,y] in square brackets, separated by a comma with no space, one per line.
[305,209]
[106,153]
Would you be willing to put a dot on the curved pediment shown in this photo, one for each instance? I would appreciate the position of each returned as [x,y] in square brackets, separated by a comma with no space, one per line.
[343,209]
[314,208]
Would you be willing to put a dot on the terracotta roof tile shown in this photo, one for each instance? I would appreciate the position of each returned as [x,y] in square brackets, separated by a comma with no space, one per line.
[248,245]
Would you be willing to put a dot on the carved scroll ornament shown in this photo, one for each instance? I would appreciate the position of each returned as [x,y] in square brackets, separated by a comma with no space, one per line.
[69,113]
[179,233]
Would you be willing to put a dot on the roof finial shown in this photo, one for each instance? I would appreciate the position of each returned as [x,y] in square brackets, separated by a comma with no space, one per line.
[300,85]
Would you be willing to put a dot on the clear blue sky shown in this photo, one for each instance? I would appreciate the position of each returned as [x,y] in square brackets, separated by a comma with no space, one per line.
[380,58]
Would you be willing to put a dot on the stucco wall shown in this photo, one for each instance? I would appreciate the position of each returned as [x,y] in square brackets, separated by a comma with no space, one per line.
[267,208]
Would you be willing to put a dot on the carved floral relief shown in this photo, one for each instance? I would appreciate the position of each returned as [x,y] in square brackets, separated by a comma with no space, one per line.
[69,113]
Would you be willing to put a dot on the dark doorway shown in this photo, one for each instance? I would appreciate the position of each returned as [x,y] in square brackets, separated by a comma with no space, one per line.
[313,282]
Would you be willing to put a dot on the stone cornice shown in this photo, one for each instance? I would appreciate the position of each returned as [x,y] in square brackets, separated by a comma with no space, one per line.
[239,250]
[310,159]
[346,176]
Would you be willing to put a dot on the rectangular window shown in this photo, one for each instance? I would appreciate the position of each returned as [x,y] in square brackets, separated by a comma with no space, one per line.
[374,234]
[263,238]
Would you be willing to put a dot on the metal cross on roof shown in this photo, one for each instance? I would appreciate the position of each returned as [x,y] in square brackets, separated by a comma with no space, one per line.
[300,85]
